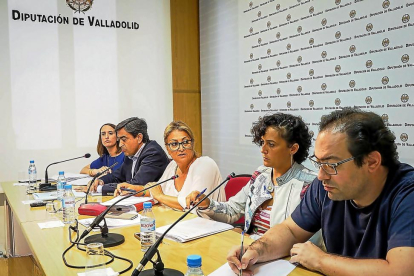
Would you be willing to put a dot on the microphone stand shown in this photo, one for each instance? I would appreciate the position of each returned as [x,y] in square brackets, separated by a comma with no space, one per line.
[111,239]
[46,183]
[95,177]
[158,269]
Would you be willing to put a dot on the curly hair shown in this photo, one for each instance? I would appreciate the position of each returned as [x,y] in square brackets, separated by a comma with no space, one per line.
[366,132]
[291,128]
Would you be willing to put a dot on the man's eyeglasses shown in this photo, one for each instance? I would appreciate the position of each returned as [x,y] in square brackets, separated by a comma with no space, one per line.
[329,168]
[187,144]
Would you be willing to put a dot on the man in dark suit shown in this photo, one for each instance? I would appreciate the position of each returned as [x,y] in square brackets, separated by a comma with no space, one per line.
[145,160]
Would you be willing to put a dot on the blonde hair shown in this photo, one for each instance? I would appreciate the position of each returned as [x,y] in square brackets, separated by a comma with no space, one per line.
[180,126]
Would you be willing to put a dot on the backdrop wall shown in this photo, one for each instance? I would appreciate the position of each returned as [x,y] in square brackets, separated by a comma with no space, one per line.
[306,58]
[60,80]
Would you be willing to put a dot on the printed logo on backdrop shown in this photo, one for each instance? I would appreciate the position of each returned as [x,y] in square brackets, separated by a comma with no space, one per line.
[385,80]
[405,58]
[368,64]
[337,101]
[352,49]
[311,72]
[269,105]
[324,21]
[369,27]
[299,89]
[79,5]
[352,83]
[386,4]
[259,67]
[368,100]
[384,117]
[260,93]
[324,54]
[338,35]
[404,137]
[404,98]
[289,104]
[385,42]
[405,18]
[323,86]
[311,103]
[352,13]
[278,91]
[337,2]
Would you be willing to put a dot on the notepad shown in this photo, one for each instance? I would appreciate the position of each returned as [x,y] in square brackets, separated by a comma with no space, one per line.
[193,229]
[53,195]
[276,268]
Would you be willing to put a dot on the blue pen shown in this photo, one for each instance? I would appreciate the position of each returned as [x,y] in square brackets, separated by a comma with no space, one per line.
[202,192]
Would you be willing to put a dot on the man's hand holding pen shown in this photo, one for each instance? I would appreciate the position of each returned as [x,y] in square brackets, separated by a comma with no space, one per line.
[240,258]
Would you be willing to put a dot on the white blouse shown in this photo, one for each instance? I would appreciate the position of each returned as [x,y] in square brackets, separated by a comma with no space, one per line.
[203,173]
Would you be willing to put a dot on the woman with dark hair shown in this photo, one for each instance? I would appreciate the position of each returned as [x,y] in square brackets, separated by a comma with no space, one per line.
[277,187]
[108,150]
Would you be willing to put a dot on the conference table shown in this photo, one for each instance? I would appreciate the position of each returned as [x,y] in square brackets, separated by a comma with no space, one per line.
[47,245]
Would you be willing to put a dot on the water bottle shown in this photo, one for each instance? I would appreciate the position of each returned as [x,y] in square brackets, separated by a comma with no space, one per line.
[147,227]
[194,266]
[68,205]
[60,187]
[32,177]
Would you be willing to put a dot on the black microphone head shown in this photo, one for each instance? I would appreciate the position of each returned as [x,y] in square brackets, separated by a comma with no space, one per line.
[232,175]
[87,155]
[175,176]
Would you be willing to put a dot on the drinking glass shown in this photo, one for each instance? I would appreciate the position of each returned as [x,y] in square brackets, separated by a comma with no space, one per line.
[95,260]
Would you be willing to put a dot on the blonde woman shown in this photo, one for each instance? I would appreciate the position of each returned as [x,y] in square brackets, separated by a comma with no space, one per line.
[195,172]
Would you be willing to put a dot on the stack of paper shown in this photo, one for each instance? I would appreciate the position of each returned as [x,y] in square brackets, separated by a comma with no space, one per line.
[193,229]
[276,268]
[127,202]
[53,195]
[112,223]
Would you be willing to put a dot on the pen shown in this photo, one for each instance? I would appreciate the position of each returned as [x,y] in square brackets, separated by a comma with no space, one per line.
[202,192]
[241,252]
[127,190]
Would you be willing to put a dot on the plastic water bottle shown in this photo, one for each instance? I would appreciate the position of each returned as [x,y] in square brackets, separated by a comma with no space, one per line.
[60,186]
[194,266]
[32,177]
[68,205]
[147,227]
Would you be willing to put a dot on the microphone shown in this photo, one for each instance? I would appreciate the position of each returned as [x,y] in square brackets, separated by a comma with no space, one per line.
[95,177]
[149,254]
[112,239]
[87,155]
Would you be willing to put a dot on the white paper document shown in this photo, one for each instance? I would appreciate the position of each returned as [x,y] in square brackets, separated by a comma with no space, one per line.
[193,229]
[98,272]
[275,268]
[53,195]
[127,202]
[112,223]
[50,224]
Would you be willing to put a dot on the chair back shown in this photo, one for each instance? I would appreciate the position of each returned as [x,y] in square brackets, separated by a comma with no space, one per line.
[234,185]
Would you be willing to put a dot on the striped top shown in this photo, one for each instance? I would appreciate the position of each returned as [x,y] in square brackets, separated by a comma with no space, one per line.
[261,220]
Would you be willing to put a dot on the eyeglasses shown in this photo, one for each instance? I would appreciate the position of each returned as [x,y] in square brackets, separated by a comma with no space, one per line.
[329,168]
[187,144]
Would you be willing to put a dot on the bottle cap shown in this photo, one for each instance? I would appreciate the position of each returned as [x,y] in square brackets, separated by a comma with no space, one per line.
[61,173]
[68,186]
[194,260]
[31,161]
[147,205]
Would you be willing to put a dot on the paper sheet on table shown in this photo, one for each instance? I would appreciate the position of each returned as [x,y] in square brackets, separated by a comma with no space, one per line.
[112,223]
[193,229]
[109,272]
[275,268]
[75,179]
[81,181]
[20,184]
[53,195]
[50,224]
[127,202]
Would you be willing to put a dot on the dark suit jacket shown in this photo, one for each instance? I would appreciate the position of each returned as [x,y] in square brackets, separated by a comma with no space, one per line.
[150,166]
